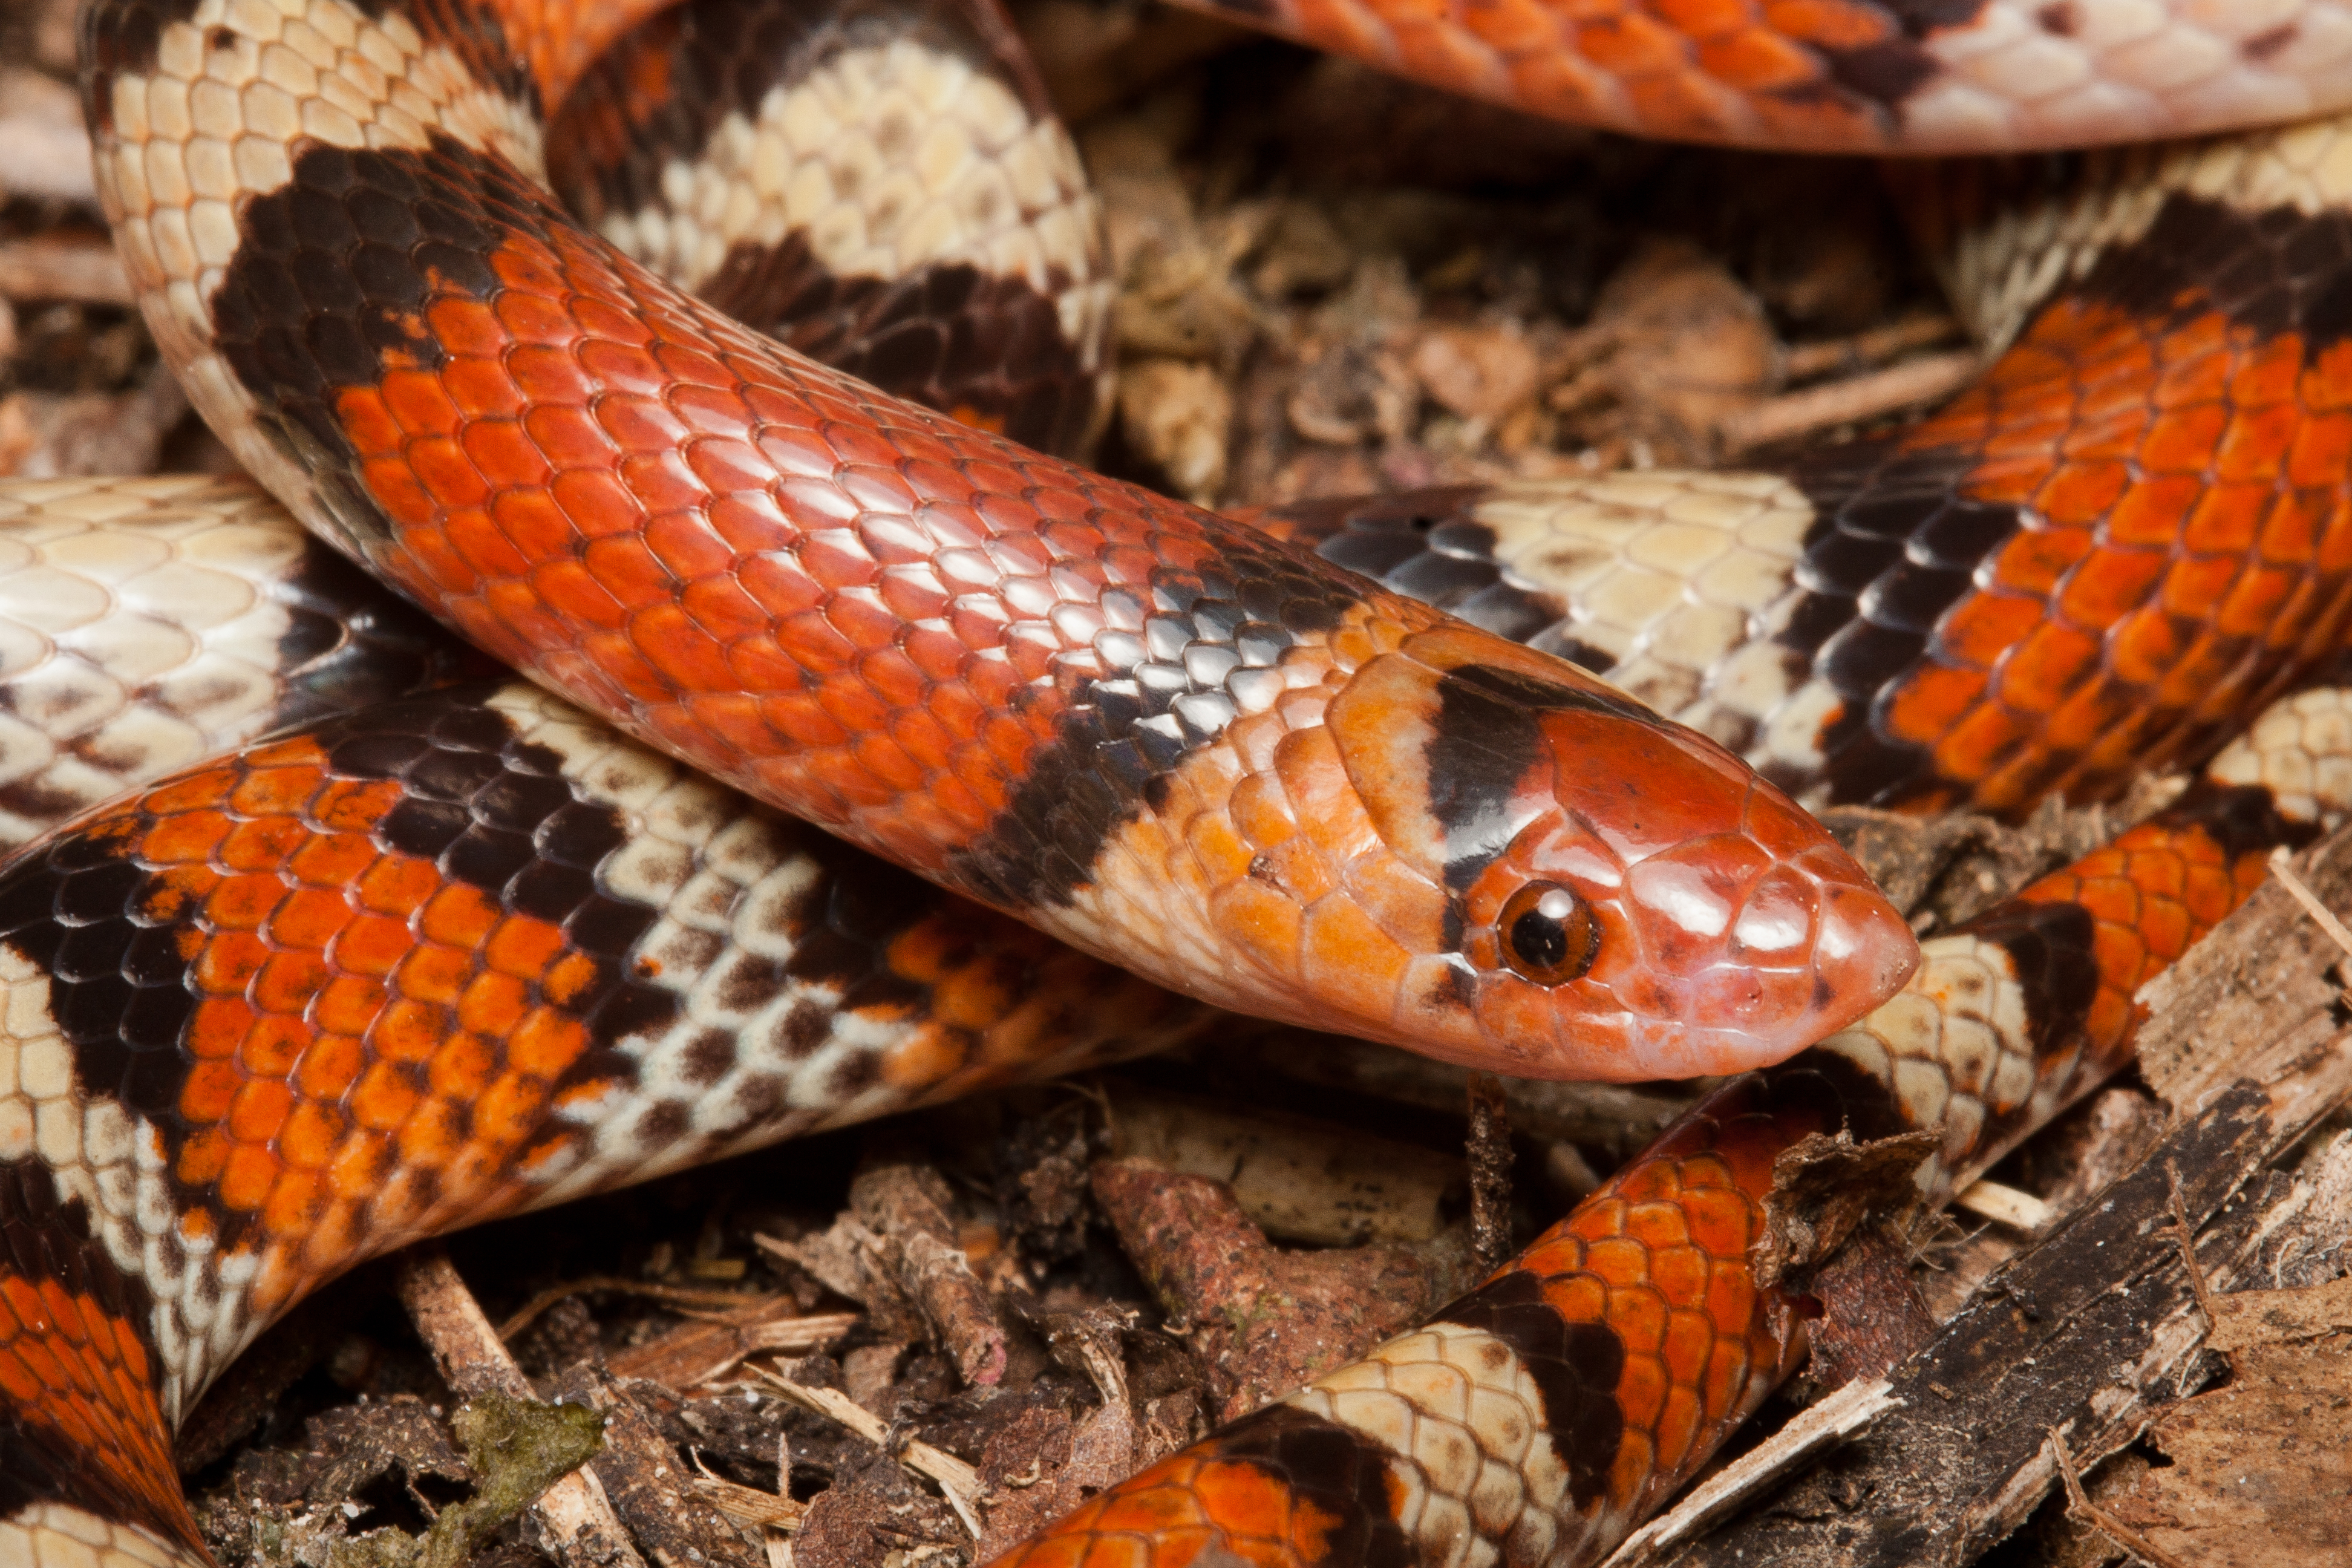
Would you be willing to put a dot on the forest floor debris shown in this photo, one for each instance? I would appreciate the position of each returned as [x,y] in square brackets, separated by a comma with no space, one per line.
[1330,281]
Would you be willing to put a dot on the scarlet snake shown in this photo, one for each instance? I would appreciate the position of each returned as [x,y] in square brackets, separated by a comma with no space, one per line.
[275,392]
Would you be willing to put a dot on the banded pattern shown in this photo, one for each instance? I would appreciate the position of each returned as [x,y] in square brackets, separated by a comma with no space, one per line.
[2133,530]
[1145,729]
[883,187]
[1678,586]
[402,969]
[1912,76]
[148,624]
[1990,1037]
[1541,1417]
[87,1448]
[411,968]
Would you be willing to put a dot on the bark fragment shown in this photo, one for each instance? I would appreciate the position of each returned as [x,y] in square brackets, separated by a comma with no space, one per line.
[650,1488]
[1265,1321]
[908,1208]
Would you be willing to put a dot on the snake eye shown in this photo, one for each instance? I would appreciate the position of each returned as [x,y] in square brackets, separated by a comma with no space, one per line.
[1549,934]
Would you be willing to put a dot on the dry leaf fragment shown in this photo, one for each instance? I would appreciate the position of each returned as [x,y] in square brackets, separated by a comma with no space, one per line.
[2261,1476]
[1479,373]
[1178,414]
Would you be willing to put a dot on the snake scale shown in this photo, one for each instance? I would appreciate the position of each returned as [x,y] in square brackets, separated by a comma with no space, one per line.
[374,946]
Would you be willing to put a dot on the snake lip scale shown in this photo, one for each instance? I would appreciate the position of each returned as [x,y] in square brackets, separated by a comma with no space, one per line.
[437,952]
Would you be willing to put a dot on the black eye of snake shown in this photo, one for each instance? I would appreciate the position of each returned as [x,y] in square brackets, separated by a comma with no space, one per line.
[1549,934]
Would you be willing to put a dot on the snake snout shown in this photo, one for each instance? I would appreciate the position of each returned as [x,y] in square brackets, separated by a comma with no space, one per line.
[1747,951]
[1862,952]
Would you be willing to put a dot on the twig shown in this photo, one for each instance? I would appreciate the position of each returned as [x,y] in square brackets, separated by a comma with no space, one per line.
[2006,1205]
[1848,1411]
[85,272]
[1267,1319]
[1876,346]
[1489,1158]
[2185,1235]
[2282,868]
[906,1207]
[1849,401]
[574,1512]
[959,1482]
[2080,1506]
[679,1295]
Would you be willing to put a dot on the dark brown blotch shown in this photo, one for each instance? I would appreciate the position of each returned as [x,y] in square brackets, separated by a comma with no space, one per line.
[2262,46]
[748,983]
[708,1057]
[661,1124]
[853,1075]
[807,1026]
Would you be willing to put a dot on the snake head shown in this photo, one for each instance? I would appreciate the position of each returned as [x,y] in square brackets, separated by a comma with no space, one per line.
[1581,888]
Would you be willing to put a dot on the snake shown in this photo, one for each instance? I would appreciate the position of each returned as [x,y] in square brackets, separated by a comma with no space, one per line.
[445,949]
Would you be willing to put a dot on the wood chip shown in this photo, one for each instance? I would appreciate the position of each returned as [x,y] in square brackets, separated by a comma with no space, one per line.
[2096,1326]
[677,1295]
[2006,1205]
[2282,868]
[749,1505]
[2097,1518]
[1296,1178]
[48,436]
[2259,1319]
[1479,373]
[700,1352]
[1179,417]
[2249,1002]
[1911,384]
[81,269]
[49,151]
[2261,1477]
[1692,348]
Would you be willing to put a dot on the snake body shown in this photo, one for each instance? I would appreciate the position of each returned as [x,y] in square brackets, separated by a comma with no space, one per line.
[1069,697]
[414,963]
[1540,1419]
[154,625]
[2131,533]
[1858,76]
